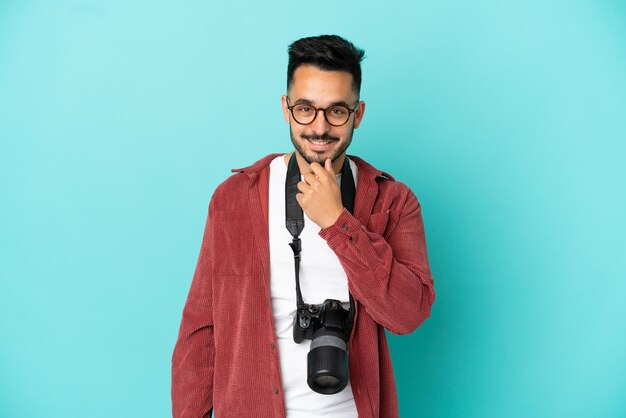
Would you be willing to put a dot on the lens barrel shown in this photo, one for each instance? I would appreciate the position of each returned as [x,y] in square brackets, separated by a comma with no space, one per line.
[327,362]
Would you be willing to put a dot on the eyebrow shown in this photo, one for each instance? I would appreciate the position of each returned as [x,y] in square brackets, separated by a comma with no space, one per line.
[310,102]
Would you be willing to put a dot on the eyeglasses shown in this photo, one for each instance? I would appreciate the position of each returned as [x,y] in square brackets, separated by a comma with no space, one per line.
[336,115]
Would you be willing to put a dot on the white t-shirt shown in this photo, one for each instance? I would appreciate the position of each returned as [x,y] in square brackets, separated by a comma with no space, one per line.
[321,278]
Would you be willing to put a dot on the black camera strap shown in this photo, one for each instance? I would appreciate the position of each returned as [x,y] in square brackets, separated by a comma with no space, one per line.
[295,217]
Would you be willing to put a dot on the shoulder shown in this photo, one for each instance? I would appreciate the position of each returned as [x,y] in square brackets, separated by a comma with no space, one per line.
[391,195]
[396,197]
[385,181]
[231,188]
[232,193]
[394,188]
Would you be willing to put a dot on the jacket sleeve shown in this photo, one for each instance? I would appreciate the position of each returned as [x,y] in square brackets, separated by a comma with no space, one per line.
[194,353]
[390,275]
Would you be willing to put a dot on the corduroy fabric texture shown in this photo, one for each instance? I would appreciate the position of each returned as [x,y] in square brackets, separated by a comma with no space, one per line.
[226,358]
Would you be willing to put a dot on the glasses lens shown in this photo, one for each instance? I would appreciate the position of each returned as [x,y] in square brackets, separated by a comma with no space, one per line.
[303,113]
[337,115]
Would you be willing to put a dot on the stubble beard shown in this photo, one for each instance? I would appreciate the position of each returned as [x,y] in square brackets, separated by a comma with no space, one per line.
[315,157]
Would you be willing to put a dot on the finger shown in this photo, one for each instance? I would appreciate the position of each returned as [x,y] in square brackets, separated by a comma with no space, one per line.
[320,171]
[311,178]
[315,166]
[303,187]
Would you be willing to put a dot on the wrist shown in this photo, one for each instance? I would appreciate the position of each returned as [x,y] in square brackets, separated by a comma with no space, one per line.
[330,219]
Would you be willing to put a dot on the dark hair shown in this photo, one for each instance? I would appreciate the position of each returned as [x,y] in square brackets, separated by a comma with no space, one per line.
[328,53]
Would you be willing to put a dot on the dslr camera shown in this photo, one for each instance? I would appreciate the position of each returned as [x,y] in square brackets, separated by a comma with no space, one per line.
[328,326]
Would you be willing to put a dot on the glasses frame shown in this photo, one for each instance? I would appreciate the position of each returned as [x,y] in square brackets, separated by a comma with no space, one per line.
[317,109]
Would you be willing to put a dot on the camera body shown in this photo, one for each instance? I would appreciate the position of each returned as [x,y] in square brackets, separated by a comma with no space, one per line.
[329,315]
[328,326]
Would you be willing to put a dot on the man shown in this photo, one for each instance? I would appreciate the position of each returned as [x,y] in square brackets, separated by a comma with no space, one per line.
[236,352]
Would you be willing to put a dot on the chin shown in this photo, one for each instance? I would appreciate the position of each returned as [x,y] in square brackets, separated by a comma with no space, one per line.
[314,157]
[317,158]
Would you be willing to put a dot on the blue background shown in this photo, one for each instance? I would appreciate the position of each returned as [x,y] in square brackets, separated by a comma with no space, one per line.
[508,120]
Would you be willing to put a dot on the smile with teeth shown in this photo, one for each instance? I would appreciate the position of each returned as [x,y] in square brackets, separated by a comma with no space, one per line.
[320,145]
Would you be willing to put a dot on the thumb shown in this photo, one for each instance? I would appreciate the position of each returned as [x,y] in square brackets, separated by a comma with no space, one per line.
[328,165]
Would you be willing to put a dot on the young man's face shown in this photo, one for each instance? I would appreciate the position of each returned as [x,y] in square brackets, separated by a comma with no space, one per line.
[320,140]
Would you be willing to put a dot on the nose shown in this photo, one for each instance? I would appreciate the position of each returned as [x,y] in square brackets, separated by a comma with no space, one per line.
[319,124]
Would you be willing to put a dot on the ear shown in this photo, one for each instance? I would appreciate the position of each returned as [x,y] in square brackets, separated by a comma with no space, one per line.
[283,101]
[358,114]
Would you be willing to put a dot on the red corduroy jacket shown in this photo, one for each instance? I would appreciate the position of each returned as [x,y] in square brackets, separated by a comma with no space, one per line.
[226,356]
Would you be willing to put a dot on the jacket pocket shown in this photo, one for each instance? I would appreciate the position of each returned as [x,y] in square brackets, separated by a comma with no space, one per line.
[232,243]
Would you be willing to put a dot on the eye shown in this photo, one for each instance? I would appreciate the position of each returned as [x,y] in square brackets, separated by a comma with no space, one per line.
[303,109]
[338,111]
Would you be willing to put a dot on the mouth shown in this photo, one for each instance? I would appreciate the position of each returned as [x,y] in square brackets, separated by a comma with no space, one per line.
[320,145]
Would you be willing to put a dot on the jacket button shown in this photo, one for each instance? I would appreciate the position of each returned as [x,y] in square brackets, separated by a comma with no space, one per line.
[272,346]
[345,227]
[275,390]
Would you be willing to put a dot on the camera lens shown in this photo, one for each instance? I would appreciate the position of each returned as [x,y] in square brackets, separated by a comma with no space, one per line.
[326,381]
[327,362]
